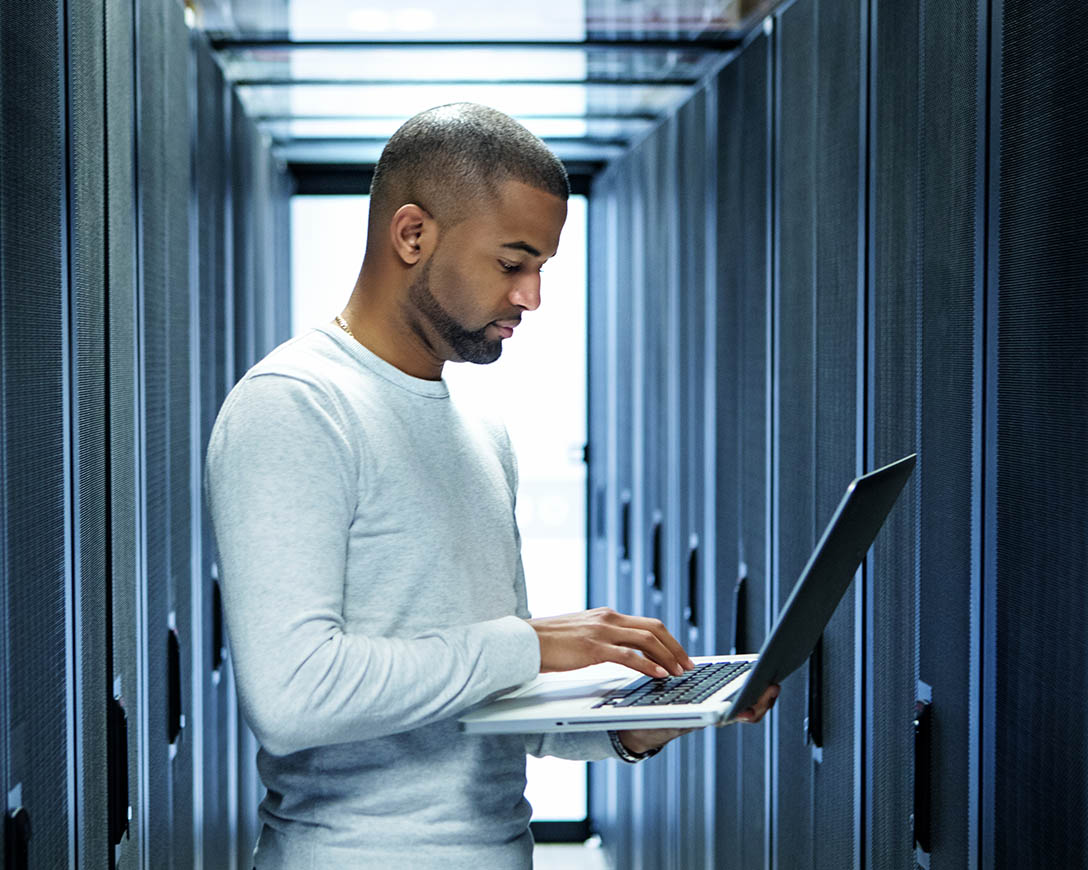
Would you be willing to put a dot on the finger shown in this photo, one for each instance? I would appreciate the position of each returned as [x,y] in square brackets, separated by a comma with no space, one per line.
[649,645]
[766,701]
[635,660]
[654,626]
[657,628]
[754,714]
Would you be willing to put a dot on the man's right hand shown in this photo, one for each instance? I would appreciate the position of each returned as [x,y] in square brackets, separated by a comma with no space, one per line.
[576,640]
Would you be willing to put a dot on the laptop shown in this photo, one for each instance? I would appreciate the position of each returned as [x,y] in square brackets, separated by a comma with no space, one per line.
[608,697]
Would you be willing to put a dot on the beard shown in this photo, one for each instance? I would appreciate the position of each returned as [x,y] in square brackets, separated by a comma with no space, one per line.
[470,345]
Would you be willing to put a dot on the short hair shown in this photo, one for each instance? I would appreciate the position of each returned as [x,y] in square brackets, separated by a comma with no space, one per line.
[449,157]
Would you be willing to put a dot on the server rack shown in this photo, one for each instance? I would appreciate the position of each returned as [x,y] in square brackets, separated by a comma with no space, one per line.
[898,268]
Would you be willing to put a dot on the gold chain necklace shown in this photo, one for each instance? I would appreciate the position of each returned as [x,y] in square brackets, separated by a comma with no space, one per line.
[343,324]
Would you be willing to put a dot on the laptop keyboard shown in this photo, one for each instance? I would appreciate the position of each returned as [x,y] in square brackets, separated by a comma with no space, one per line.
[692,687]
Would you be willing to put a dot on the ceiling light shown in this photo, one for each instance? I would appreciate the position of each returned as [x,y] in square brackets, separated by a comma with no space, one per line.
[414,20]
[369,20]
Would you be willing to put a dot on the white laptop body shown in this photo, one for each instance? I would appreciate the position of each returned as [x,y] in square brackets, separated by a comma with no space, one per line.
[586,699]
[565,702]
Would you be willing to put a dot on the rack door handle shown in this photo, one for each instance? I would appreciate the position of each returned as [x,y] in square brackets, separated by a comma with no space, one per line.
[655,578]
[691,611]
[923,775]
[175,721]
[219,647]
[117,770]
[17,839]
[814,719]
[740,599]
[625,528]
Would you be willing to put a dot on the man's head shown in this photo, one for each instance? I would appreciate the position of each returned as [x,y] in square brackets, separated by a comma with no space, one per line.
[466,206]
[451,159]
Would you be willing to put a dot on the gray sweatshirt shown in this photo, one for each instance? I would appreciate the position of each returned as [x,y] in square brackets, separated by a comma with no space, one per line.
[373,590]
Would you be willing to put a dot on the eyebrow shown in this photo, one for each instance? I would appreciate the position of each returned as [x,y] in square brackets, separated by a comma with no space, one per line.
[523,246]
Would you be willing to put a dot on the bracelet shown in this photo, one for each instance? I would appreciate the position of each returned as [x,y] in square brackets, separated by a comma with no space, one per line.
[625,753]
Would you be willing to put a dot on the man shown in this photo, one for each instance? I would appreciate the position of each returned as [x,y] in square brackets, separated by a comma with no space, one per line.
[370,559]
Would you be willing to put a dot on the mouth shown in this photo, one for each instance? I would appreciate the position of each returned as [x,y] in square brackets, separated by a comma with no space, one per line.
[505,327]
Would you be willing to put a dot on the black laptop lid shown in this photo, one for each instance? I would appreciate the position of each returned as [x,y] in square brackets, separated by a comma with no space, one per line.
[825,579]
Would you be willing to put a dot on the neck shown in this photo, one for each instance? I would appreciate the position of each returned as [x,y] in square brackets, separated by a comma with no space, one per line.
[379,324]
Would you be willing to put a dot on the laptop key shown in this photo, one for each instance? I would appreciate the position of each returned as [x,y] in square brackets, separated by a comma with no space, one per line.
[691,688]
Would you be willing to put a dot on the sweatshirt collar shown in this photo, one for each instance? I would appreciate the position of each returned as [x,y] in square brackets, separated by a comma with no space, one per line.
[385,370]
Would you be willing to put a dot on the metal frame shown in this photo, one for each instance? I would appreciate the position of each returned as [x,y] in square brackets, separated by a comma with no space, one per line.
[72,614]
[983,404]
[987,586]
[140,458]
[225,42]
[5,693]
[862,652]
[677,83]
[867,672]
[770,733]
[196,528]
[708,589]
[234,723]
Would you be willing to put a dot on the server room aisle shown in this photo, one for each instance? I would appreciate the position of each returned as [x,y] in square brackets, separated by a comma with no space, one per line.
[822,234]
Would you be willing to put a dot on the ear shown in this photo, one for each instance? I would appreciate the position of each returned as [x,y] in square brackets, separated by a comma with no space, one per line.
[412,232]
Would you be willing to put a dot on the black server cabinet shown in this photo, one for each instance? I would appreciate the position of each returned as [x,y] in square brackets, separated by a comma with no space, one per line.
[1035,802]
[182,409]
[727,326]
[893,362]
[627,359]
[246,218]
[655,532]
[819,208]
[669,464]
[164,334]
[743,432]
[923,395]
[34,483]
[640,223]
[951,256]
[211,183]
[692,781]
[88,418]
[602,782]
[127,732]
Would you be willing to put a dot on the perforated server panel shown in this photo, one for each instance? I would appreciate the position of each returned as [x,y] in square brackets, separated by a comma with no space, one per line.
[691,783]
[1039,711]
[949,479]
[894,366]
[121,324]
[34,360]
[729,238]
[211,185]
[154,392]
[88,306]
[819,198]
[602,783]
[743,448]
[180,408]
[625,350]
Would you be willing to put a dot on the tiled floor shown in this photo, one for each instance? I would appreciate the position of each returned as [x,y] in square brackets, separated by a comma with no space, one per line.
[564,857]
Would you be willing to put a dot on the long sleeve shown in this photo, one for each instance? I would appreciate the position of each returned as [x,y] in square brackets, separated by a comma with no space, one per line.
[574,746]
[283,481]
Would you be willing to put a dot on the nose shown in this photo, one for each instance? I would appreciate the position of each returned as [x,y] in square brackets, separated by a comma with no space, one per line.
[526,293]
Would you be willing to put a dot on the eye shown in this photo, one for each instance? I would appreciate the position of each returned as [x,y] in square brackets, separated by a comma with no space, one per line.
[509,267]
